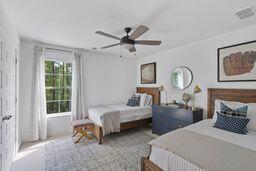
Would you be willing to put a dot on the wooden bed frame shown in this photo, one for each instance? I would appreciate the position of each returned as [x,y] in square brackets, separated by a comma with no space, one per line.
[154,91]
[240,95]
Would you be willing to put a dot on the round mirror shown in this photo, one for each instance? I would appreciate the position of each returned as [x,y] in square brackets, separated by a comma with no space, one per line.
[181,77]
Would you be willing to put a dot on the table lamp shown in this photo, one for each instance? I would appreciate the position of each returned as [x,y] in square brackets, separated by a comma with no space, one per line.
[197,89]
[162,89]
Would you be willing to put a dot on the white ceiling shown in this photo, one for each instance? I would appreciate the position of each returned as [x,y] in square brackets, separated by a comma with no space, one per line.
[175,22]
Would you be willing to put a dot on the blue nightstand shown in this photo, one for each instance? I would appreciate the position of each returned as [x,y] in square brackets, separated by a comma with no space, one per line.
[166,119]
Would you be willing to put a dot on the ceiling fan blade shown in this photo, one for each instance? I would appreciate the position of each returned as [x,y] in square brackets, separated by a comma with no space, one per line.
[105,47]
[132,49]
[138,32]
[107,35]
[148,42]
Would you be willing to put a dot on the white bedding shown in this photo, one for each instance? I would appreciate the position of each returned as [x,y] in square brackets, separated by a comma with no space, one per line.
[170,161]
[127,113]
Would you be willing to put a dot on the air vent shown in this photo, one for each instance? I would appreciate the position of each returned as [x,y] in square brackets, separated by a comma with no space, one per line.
[246,13]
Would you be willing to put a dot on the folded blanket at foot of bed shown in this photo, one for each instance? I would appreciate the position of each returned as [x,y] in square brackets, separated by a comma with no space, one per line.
[109,118]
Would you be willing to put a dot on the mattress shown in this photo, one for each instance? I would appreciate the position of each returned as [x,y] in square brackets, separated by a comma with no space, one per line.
[127,113]
[170,161]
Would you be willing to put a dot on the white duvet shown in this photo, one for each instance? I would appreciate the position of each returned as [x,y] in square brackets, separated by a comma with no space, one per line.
[110,117]
[169,161]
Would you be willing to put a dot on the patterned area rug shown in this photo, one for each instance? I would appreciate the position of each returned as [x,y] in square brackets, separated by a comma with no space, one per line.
[119,152]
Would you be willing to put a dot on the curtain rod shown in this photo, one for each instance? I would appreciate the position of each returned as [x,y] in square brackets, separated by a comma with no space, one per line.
[59,49]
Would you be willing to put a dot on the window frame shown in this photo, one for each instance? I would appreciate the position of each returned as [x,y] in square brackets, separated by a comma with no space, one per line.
[57,60]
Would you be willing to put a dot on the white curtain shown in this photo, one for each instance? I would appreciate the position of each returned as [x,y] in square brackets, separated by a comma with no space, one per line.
[78,108]
[38,103]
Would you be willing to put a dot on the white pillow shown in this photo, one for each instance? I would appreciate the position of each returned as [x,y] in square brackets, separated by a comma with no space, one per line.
[148,100]
[142,99]
[251,113]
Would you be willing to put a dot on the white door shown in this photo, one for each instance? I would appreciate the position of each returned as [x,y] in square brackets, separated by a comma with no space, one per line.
[7,105]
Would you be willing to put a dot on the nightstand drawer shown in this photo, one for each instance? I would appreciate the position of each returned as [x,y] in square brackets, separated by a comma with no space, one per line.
[161,111]
[180,124]
[185,115]
[161,124]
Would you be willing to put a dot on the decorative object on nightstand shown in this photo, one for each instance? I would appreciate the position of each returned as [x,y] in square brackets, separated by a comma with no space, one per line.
[197,89]
[162,89]
[186,98]
[166,118]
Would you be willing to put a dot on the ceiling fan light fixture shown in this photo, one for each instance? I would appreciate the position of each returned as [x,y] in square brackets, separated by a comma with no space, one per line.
[128,45]
[129,41]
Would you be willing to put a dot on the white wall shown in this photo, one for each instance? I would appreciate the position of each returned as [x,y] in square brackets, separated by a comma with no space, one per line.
[108,80]
[201,58]
[25,84]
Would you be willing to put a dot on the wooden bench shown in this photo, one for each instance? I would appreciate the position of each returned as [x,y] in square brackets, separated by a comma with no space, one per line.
[82,127]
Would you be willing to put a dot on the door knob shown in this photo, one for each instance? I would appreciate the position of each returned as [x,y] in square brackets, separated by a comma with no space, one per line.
[7,117]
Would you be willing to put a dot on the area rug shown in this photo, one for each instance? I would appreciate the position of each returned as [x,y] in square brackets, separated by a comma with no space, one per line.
[119,152]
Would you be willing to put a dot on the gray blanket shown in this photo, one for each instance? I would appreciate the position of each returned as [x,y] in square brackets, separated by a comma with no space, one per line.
[206,152]
[109,118]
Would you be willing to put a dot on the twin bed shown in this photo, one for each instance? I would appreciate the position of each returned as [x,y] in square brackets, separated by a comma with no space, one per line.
[201,147]
[115,118]
[198,147]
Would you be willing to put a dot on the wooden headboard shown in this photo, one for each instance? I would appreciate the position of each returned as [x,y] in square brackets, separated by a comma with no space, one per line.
[239,95]
[153,91]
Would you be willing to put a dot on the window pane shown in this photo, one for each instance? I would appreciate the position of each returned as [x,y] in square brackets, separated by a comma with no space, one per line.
[65,81]
[52,80]
[52,107]
[51,67]
[61,67]
[68,68]
[65,94]
[65,106]
[52,94]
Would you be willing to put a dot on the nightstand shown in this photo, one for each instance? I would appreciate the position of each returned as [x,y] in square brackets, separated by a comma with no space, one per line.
[166,119]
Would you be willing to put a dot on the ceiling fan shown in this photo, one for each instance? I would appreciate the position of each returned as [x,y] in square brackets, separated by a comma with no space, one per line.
[129,41]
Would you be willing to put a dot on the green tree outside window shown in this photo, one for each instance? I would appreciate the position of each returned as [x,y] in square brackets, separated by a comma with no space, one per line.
[58,81]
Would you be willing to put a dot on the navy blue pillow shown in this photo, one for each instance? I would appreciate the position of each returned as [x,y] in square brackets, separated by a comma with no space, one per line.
[130,102]
[134,101]
[231,123]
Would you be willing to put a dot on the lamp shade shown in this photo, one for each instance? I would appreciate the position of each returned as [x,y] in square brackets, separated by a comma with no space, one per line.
[128,46]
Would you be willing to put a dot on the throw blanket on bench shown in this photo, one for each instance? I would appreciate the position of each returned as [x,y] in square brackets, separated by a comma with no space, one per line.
[207,152]
[108,116]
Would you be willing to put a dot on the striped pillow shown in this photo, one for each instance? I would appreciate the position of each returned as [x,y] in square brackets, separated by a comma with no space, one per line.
[231,123]
[239,112]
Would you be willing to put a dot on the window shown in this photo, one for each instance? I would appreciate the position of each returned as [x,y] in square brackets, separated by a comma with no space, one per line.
[58,81]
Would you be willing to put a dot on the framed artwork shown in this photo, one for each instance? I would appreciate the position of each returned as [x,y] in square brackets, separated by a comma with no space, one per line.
[236,63]
[148,73]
